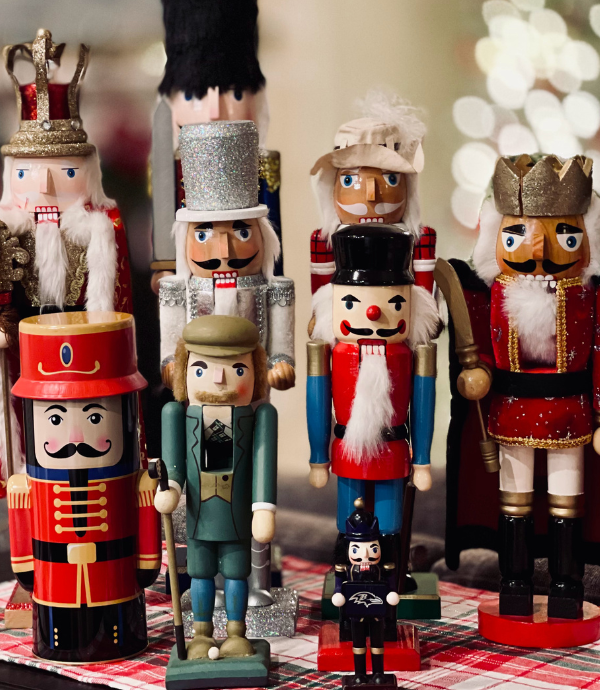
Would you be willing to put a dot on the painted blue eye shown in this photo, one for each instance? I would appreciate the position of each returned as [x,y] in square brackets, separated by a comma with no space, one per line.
[510,241]
[349,305]
[199,372]
[392,179]
[240,371]
[244,234]
[347,180]
[238,94]
[21,174]
[201,236]
[71,173]
[188,95]
[571,241]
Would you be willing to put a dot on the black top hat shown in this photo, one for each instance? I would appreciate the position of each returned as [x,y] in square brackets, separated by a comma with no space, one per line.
[211,43]
[373,254]
[362,525]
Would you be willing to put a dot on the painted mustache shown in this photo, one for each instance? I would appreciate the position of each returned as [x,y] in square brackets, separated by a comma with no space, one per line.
[362,209]
[83,449]
[214,264]
[216,398]
[530,265]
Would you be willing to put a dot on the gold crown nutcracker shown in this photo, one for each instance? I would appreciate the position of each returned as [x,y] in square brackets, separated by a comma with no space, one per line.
[84,535]
[538,253]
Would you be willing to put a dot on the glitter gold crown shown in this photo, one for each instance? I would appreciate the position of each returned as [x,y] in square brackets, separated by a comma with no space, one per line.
[49,122]
[545,186]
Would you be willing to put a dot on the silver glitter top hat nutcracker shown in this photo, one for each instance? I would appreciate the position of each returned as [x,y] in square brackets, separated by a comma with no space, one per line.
[219,161]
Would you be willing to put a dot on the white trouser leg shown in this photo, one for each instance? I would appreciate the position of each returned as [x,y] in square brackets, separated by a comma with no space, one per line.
[565,471]
[516,468]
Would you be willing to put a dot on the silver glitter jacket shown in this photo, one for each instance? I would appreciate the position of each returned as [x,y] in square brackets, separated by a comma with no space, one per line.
[268,304]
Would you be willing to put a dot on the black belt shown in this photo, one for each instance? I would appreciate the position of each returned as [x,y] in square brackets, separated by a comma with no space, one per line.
[390,433]
[105,550]
[519,384]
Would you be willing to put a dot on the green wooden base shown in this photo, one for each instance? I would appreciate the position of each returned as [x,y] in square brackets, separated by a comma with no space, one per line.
[424,602]
[242,672]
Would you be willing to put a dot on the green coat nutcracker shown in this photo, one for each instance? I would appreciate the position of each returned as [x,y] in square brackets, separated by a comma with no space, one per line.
[226,453]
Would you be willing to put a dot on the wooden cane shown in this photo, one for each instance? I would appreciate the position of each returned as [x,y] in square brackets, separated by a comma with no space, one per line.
[405,534]
[158,470]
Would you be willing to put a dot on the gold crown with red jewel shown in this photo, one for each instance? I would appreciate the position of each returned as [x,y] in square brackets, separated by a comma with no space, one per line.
[49,121]
[542,185]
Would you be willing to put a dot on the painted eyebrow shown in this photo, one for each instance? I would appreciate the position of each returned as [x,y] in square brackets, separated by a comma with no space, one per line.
[71,168]
[350,298]
[91,406]
[239,364]
[56,407]
[240,224]
[514,229]
[565,228]
[199,363]
[204,226]
[395,299]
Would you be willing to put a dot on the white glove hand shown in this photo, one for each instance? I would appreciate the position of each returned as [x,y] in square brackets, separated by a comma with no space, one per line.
[166,501]
[338,599]
[392,598]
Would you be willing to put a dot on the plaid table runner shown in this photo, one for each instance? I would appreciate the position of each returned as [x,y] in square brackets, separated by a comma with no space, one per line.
[453,654]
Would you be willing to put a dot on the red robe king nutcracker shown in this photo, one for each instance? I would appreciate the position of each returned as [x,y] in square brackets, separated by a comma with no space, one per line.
[539,252]
[371,176]
[84,535]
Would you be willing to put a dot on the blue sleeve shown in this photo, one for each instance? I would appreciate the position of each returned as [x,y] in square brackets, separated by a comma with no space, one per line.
[318,415]
[421,419]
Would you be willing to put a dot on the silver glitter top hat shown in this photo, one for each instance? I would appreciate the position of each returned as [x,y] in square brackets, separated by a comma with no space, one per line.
[219,161]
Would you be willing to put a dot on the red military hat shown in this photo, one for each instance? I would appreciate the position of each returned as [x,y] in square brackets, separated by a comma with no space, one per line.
[78,355]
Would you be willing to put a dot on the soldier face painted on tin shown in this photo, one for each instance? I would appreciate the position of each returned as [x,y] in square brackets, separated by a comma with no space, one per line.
[229,245]
[546,248]
[369,195]
[371,312]
[220,380]
[364,552]
[78,434]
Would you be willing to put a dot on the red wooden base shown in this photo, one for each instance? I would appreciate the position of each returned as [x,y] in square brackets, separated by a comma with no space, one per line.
[538,631]
[403,655]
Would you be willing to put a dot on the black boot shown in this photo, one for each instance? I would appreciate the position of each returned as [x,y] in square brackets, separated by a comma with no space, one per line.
[566,566]
[378,674]
[515,556]
[360,669]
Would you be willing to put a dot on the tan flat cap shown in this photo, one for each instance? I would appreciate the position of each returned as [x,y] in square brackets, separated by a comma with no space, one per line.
[375,144]
[220,336]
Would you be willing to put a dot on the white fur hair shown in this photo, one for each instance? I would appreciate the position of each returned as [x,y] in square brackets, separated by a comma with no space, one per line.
[531,307]
[51,263]
[484,254]
[372,409]
[94,230]
[384,104]
[424,316]
[271,244]
[91,163]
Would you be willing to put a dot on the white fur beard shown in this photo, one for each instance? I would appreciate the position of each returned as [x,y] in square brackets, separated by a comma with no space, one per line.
[226,303]
[51,263]
[531,308]
[372,409]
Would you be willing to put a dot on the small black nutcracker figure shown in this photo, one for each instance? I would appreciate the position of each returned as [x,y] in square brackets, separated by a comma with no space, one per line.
[365,589]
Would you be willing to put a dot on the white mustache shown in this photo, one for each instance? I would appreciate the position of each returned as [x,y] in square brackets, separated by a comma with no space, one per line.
[362,209]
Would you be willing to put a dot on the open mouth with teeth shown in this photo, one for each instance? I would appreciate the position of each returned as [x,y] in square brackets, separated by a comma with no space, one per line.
[378,219]
[47,213]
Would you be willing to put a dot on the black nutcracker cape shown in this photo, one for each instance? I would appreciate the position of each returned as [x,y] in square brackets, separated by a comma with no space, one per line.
[472,494]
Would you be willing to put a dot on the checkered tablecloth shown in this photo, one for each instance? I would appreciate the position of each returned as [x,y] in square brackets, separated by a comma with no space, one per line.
[453,654]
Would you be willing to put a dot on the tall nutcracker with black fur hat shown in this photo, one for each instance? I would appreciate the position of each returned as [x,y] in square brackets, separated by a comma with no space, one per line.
[212,73]
[378,325]
[84,535]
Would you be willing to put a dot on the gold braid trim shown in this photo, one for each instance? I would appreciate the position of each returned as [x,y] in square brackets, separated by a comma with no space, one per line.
[270,169]
[561,322]
[542,443]
[513,336]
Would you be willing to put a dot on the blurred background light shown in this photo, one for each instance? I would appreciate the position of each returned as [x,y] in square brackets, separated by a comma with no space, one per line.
[465,206]
[474,117]
[515,139]
[473,165]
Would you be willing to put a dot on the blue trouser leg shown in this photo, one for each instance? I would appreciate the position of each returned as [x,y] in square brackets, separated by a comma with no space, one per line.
[203,599]
[202,568]
[234,565]
[236,599]
[348,491]
[388,501]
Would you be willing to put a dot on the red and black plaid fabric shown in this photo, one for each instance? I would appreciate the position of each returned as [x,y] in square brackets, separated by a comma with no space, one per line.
[425,247]
[321,252]
[453,655]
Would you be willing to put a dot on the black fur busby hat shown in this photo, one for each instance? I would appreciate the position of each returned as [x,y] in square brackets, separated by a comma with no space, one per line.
[373,254]
[211,43]
[362,525]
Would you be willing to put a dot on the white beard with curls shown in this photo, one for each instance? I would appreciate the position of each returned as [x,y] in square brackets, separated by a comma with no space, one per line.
[372,408]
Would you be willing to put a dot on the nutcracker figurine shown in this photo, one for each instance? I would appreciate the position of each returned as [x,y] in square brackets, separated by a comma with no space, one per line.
[84,536]
[212,73]
[54,206]
[380,325]
[224,451]
[538,252]
[371,176]
[365,588]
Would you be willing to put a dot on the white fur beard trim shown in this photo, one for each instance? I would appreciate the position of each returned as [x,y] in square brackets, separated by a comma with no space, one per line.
[322,309]
[95,231]
[425,319]
[226,302]
[17,220]
[484,254]
[532,310]
[51,263]
[372,409]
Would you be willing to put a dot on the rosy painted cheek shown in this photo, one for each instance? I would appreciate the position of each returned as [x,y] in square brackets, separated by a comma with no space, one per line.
[99,441]
[243,389]
[401,326]
[52,445]
[345,327]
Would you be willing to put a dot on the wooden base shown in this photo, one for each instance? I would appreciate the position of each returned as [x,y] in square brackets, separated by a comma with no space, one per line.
[538,631]
[239,672]
[336,656]
[18,613]
[389,682]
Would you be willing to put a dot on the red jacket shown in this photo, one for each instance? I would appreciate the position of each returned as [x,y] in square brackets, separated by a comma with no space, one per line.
[393,462]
